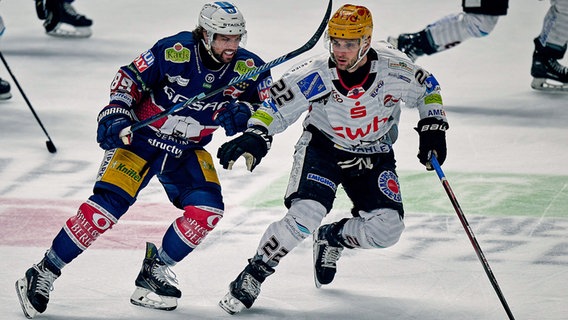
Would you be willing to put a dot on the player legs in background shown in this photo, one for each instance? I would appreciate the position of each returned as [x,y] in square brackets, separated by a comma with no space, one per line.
[4,90]
[476,20]
[4,85]
[62,20]
[550,47]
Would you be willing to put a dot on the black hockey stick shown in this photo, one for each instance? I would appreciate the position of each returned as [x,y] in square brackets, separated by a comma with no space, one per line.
[467,228]
[49,143]
[126,133]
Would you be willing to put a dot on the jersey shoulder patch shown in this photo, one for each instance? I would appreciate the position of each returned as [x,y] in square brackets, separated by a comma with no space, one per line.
[310,76]
[384,48]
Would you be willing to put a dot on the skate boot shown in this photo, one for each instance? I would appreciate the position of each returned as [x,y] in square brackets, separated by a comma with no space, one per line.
[327,250]
[155,279]
[548,74]
[244,290]
[414,44]
[61,20]
[33,289]
[5,90]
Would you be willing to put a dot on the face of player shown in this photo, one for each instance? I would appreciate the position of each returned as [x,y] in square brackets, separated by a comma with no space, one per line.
[346,53]
[224,47]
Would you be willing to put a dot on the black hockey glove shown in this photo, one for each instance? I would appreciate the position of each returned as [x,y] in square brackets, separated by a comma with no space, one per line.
[432,132]
[234,116]
[112,119]
[253,145]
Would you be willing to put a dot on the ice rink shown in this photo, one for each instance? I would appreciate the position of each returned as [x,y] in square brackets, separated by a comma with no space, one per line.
[507,163]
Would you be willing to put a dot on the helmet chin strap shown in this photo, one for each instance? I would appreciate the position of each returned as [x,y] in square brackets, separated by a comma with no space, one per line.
[362,53]
[208,46]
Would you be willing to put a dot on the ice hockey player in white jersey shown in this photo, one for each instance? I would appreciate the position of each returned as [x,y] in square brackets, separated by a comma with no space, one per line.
[477,19]
[353,98]
[550,47]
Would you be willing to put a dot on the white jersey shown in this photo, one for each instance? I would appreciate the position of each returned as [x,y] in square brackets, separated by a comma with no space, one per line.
[361,119]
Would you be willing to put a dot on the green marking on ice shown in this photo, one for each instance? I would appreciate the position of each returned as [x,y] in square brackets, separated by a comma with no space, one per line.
[488,194]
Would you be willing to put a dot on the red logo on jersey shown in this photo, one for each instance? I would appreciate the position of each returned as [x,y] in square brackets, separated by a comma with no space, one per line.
[389,101]
[359,111]
[356,133]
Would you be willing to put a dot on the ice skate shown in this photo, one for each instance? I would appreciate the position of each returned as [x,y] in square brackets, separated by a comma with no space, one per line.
[33,289]
[548,74]
[244,290]
[326,253]
[5,90]
[62,20]
[156,283]
[413,45]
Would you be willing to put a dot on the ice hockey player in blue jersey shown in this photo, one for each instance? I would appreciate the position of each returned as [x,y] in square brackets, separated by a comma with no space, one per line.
[175,69]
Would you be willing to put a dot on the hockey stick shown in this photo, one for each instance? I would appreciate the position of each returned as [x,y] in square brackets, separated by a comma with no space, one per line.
[467,228]
[49,143]
[126,133]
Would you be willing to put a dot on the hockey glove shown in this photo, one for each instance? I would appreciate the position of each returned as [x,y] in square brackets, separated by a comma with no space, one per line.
[234,116]
[253,145]
[112,119]
[432,132]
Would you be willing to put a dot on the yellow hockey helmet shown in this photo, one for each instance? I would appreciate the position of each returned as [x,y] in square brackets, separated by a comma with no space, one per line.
[351,22]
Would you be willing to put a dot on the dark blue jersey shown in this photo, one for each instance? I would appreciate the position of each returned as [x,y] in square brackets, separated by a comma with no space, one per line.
[171,72]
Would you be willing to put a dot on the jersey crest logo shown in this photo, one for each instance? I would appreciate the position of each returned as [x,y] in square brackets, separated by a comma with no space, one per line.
[177,54]
[356,92]
[388,184]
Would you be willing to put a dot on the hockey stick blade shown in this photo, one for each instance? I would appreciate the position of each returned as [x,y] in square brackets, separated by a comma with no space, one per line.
[50,146]
[126,132]
[436,165]
[49,142]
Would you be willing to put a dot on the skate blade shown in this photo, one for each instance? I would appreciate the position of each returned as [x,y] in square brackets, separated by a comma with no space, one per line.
[145,298]
[5,96]
[315,255]
[27,308]
[64,30]
[231,304]
[548,85]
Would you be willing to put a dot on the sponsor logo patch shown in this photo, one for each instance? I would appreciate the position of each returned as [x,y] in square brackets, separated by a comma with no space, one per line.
[322,180]
[177,54]
[144,61]
[311,85]
[431,83]
[244,66]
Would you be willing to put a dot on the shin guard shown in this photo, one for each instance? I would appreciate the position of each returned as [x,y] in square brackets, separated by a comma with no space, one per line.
[91,221]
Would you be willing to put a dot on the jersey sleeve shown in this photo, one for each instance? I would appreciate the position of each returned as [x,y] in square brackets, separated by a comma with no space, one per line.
[429,101]
[424,93]
[291,96]
[133,81]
